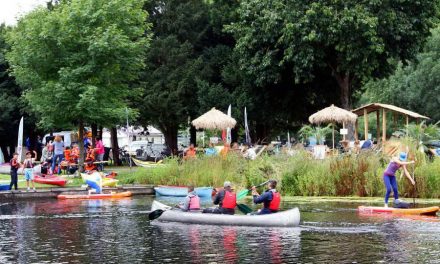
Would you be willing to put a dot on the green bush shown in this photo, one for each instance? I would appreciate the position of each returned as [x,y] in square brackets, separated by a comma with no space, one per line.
[298,175]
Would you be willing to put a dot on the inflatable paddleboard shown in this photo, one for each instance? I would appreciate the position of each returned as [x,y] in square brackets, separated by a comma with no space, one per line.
[413,211]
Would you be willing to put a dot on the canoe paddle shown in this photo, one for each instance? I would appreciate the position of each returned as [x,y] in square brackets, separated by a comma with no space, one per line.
[155,214]
[244,208]
[243,193]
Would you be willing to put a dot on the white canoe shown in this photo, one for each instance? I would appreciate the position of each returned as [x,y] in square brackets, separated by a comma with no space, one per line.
[288,218]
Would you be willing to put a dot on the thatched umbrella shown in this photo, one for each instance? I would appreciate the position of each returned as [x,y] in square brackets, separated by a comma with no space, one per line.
[214,119]
[333,114]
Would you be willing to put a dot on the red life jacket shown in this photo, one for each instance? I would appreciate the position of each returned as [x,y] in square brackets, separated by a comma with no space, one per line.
[229,201]
[194,203]
[274,205]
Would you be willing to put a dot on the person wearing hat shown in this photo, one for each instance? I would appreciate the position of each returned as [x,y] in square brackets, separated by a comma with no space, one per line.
[270,199]
[389,176]
[225,199]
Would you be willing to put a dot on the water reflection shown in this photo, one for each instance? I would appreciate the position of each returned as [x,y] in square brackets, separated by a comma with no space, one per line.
[117,231]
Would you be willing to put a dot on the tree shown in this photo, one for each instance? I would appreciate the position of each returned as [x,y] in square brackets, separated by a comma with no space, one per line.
[350,40]
[77,59]
[173,65]
[415,86]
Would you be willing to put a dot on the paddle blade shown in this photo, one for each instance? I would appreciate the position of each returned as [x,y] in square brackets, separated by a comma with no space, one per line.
[244,208]
[155,214]
[242,194]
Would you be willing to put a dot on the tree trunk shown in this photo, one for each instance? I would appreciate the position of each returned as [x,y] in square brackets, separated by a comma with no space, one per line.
[343,80]
[81,146]
[193,135]
[94,133]
[170,134]
[234,135]
[115,146]
[262,133]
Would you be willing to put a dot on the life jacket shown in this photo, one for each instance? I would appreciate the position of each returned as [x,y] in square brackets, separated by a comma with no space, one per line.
[229,201]
[194,203]
[274,205]
[67,154]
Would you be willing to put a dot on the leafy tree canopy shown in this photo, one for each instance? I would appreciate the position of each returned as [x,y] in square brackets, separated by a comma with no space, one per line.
[351,39]
[76,59]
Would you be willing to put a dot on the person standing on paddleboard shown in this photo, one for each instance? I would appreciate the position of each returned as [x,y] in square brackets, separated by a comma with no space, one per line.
[389,176]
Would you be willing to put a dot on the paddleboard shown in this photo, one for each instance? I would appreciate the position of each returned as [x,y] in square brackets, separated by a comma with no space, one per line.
[413,211]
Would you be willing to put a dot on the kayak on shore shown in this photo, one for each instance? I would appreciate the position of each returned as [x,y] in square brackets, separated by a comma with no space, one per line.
[413,211]
[182,191]
[50,179]
[96,196]
[288,218]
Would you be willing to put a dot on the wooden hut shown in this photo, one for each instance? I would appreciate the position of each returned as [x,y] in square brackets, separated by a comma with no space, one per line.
[382,109]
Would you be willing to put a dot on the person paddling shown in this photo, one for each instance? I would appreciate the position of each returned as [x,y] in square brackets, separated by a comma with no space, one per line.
[191,202]
[270,199]
[389,176]
[226,199]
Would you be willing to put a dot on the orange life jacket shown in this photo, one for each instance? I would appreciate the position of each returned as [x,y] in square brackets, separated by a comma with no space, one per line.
[229,201]
[67,153]
[274,205]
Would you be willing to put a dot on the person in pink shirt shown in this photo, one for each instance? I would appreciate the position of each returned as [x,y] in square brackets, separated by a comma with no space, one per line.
[99,150]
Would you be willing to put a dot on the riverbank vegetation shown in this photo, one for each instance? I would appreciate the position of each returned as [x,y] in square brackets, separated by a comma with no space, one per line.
[298,175]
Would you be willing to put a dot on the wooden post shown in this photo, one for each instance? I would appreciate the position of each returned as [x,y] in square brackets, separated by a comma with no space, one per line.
[365,124]
[384,126]
[377,126]
[356,130]
[395,121]
[407,124]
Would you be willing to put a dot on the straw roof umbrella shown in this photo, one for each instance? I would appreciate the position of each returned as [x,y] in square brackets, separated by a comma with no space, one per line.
[333,114]
[214,119]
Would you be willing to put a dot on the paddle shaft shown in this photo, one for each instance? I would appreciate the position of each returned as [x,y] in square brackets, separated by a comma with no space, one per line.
[415,185]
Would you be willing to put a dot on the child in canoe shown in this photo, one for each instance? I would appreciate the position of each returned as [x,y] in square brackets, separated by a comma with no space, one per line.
[389,176]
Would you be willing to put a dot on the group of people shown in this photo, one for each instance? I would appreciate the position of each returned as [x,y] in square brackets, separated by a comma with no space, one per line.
[226,200]
[246,151]
[27,166]
[54,156]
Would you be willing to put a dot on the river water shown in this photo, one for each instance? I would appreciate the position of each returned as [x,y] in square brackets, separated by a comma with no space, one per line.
[117,231]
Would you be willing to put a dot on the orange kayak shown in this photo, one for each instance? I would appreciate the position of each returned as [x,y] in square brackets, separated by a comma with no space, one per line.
[96,196]
[413,211]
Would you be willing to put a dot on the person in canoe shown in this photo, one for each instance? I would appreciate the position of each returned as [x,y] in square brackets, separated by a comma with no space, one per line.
[191,202]
[225,199]
[270,199]
[389,176]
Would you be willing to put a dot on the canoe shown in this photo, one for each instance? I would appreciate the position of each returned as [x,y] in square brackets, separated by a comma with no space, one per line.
[106,182]
[413,211]
[182,191]
[288,218]
[96,196]
[4,186]
[50,179]
[147,164]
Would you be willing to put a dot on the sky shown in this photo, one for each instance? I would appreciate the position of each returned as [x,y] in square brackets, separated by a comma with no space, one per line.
[10,10]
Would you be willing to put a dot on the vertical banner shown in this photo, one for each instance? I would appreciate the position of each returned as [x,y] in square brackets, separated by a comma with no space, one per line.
[246,128]
[20,140]
[228,130]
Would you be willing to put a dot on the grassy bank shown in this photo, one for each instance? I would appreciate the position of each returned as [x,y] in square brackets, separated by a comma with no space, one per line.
[298,175]
[72,182]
